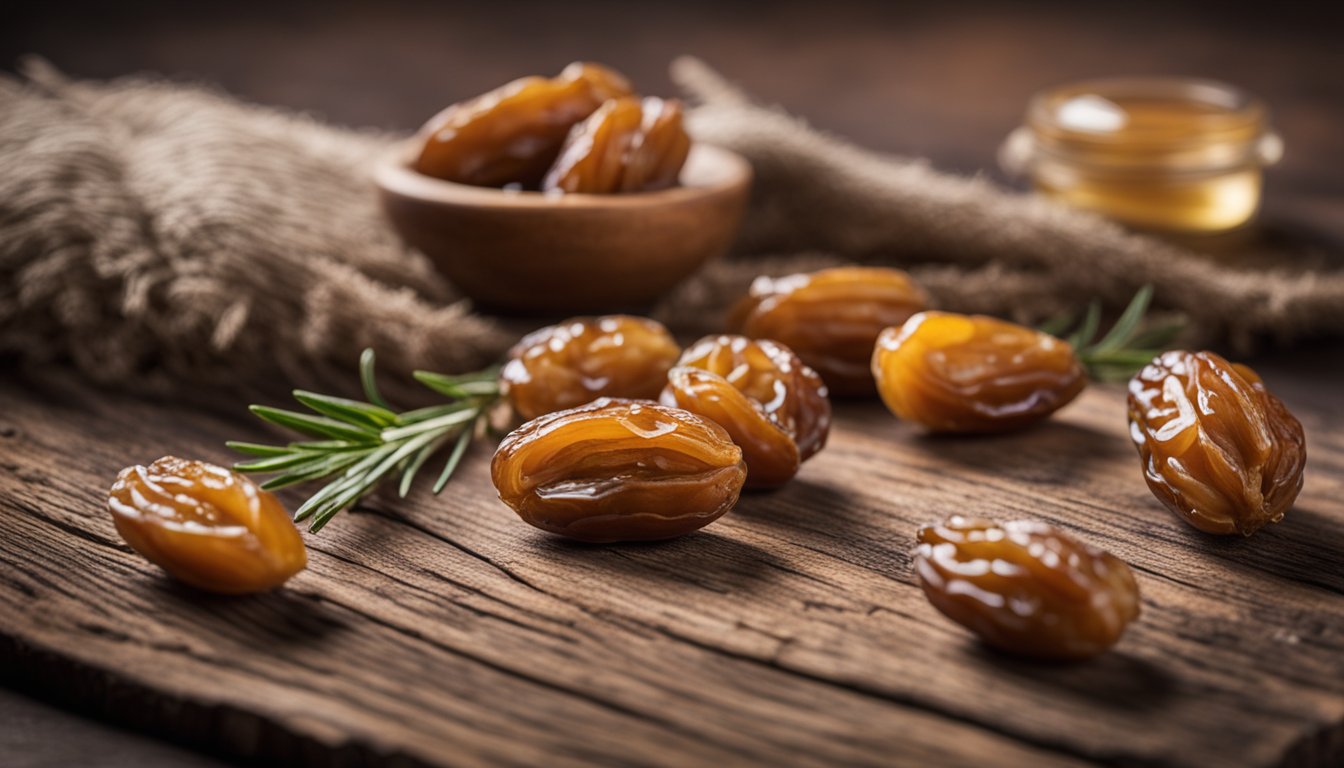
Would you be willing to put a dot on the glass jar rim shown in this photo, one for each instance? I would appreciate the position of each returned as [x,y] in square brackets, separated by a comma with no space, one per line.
[1237,117]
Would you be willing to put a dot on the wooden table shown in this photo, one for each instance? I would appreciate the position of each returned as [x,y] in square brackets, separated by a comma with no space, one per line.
[444,631]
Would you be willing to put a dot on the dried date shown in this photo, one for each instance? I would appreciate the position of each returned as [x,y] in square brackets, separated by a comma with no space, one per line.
[1218,448]
[584,358]
[206,526]
[619,470]
[971,373]
[831,318]
[773,406]
[1026,587]
[770,453]
[627,145]
[514,133]
[787,390]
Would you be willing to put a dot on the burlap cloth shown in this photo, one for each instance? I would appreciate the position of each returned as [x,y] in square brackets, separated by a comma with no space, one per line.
[164,233]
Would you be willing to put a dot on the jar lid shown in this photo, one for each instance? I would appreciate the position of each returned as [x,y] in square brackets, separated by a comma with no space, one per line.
[1174,123]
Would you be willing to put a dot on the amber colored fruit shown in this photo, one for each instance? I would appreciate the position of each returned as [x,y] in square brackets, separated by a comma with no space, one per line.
[971,373]
[627,145]
[619,470]
[1217,447]
[1026,587]
[831,318]
[789,392]
[769,451]
[207,526]
[584,358]
[512,134]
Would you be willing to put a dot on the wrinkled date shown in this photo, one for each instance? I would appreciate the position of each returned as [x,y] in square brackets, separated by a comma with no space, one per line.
[1026,587]
[1218,448]
[512,134]
[627,145]
[206,526]
[584,358]
[619,470]
[831,318]
[773,406]
[788,392]
[963,373]
[770,453]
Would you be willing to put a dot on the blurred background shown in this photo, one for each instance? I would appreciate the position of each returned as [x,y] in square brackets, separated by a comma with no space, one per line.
[946,81]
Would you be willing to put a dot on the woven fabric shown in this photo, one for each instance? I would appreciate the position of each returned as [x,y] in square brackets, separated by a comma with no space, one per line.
[164,233]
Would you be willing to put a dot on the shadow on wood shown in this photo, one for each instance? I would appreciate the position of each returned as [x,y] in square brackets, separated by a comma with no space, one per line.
[280,617]
[1053,452]
[1306,547]
[704,560]
[1114,680]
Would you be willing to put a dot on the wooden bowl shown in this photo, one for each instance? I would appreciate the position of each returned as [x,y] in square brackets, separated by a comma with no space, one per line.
[534,253]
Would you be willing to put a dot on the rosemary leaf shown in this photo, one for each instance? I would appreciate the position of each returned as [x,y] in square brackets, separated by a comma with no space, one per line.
[1128,324]
[353,476]
[329,445]
[257,449]
[1088,330]
[1158,337]
[277,463]
[348,498]
[1057,325]
[317,426]
[311,470]
[447,420]
[1127,346]
[320,499]
[349,411]
[489,375]
[456,386]
[368,481]
[418,461]
[368,381]
[434,411]
[359,444]
[453,459]
[444,385]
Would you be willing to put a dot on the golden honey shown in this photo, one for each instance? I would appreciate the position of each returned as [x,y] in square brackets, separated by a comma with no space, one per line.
[1169,154]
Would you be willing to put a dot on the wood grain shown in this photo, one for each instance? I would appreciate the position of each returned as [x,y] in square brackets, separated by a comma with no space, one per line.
[443,631]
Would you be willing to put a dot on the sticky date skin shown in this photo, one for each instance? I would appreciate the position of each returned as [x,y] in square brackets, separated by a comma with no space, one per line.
[789,392]
[1217,447]
[831,318]
[627,145]
[584,358]
[514,133]
[972,373]
[206,526]
[1025,587]
[619,470]
[770,453]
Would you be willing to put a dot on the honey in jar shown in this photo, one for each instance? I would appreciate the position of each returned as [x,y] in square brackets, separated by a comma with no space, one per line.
[1168,154]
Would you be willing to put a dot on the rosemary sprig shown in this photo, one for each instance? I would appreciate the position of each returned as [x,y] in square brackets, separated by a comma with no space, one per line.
[362,443]
[1126,347]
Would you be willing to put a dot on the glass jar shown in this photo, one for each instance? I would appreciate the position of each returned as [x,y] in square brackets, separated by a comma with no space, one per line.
[1168,154]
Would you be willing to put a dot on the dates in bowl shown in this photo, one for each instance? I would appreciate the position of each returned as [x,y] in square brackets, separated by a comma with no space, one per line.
[562,195]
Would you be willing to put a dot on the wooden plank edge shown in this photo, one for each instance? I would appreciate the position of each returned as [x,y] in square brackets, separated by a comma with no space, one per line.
[212,729]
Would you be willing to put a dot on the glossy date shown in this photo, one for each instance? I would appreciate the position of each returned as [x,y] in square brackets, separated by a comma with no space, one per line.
[1218,448]
[1026,587]
[206,526]
[619,470]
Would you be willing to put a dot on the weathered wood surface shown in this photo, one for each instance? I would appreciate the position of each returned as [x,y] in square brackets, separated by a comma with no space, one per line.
[444,631]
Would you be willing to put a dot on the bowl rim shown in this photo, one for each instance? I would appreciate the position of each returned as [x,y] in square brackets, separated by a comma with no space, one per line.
[393,174]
